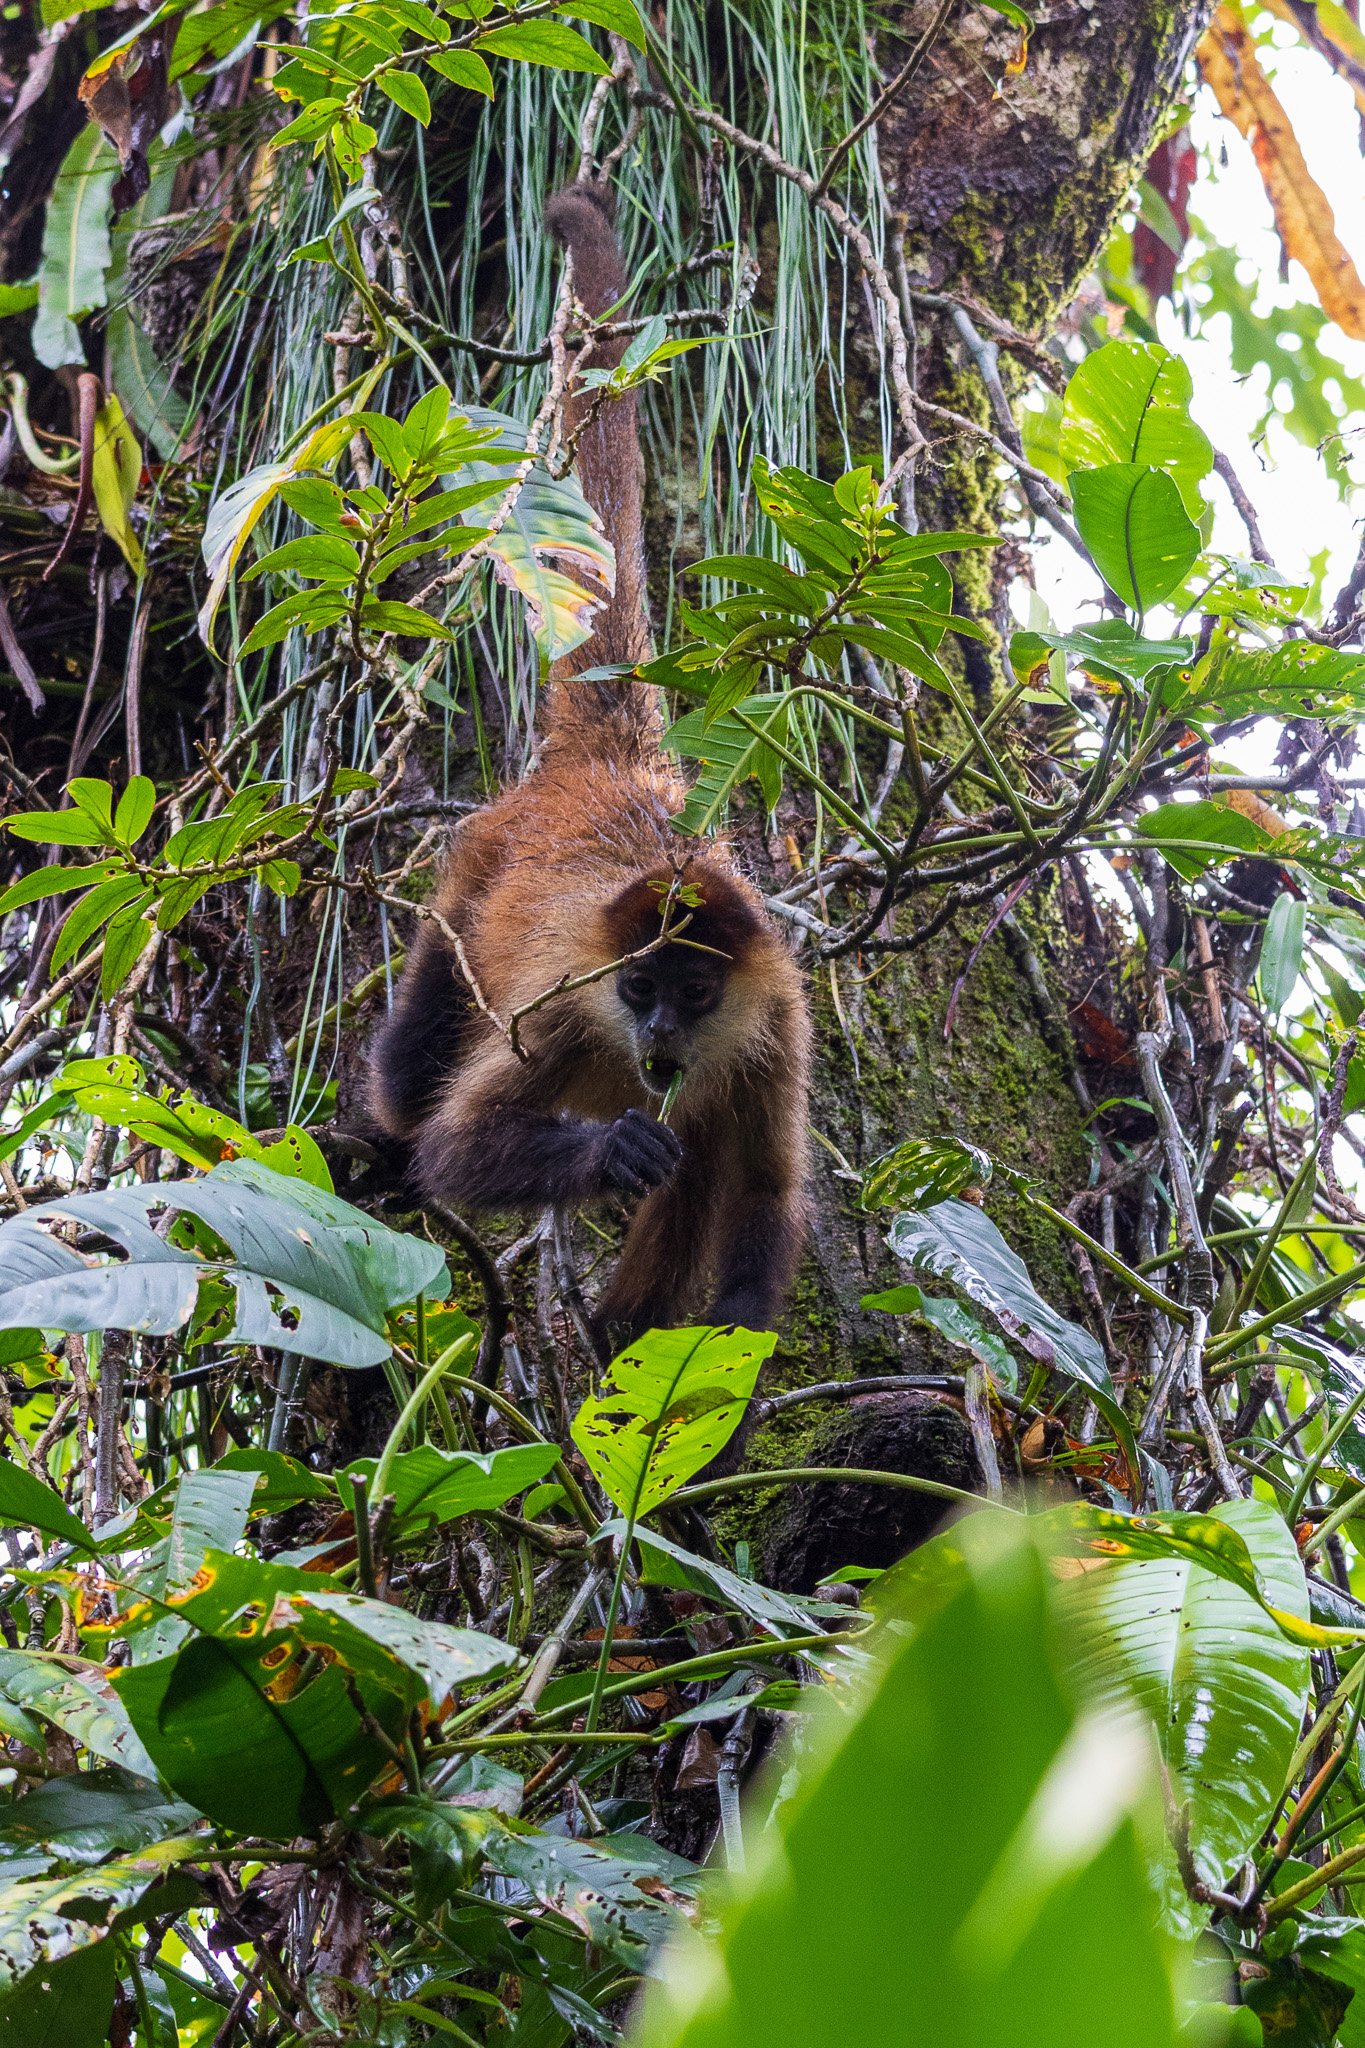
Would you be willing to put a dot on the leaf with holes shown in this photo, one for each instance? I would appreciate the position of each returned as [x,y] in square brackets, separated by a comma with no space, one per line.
[667,1405]
[921,1171]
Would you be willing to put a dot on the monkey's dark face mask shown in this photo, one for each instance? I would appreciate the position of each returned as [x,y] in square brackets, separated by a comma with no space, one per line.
[668,994]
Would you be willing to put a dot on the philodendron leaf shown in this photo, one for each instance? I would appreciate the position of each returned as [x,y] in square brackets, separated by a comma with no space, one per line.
[305,1272]
[958,1241]
[1135,526]
[667,1405]
[1222,1687]
[430,1486]
[25,1500]
[44,1919]
[1129,402]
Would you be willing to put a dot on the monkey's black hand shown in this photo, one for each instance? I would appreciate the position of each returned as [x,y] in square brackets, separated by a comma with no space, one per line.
[638,1154]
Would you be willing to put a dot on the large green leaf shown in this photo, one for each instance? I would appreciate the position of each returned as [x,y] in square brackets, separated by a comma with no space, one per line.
[63,2005]
[668,1405]
[25,1500]
[550,519]
[1222,1687]
[306,1272]
[958,1241]
[955,1860]
[1129,402]
[75,254]
[77,1698]
[93,1815]
[44,1919]
[1137,529]
[246,1722]
[370,1637]
[612,1889]
[729,753]
[430,1486]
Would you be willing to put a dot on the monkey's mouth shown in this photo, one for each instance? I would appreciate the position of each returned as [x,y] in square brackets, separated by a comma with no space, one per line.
[659,1073]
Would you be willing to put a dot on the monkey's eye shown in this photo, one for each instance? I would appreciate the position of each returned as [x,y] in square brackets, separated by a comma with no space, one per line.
[638,988]
[696,993]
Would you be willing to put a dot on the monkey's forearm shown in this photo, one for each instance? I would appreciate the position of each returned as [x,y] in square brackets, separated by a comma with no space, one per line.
[512,1159]
[516,1158]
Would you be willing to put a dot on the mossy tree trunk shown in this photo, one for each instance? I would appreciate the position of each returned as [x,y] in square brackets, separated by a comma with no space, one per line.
[1004,198]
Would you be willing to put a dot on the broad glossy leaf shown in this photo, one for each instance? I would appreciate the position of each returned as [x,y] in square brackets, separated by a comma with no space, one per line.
[729,753]
[1108,648]
[44,1919]
[308,1273]
[665,1563]
[1216,1677]
[668,1404]
[1135,526]
[370,1637]
[430,1486]
[959,1242]
[1194,836]
[95,1814]
[922,1171]
[25,1500]
[1298,678]
[551,518]
[245,1721]
[1034,1924]
[77,1698]
[75,254]
[614,1890]
[1129,402]
[63,2005]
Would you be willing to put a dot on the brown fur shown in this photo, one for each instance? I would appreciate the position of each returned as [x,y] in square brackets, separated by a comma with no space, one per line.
[553,880]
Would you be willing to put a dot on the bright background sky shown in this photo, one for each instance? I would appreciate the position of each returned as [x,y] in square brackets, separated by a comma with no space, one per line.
[1300,508]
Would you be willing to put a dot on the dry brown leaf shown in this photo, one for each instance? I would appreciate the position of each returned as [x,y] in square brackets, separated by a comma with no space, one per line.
[1307,226]
[1257,809]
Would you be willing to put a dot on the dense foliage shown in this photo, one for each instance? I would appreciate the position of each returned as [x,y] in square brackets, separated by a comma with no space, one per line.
[377,1666]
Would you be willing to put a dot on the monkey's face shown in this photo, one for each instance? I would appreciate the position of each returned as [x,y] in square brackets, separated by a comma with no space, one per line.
[668,996]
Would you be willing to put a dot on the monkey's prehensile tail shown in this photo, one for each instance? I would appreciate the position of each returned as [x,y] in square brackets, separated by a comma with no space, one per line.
[616,718]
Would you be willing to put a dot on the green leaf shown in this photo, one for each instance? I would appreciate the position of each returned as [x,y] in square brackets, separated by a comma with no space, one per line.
[668,1404]
[1128,402]
[75,252]
[442,1659]
[134,812]
[93,910]
[956,1324]
[1109,648]
[124,943]
[408,92]
[463,67]
[1135,526]
[960,1243]
[432,1486]
[1281,951]
[53,881]
[546,42]
[305,1272]
[311,611]
[314,554]
[922,1171]
[63,2005]
[18,298]
[729,753]
[1193,836]
[25,1500]
[96,1814]
[963,1948]
[77,1698]
[610,1889]
[245,1722]
[44,1919]
[58,828]
[1213,1673]
[664,1563]
[621,17]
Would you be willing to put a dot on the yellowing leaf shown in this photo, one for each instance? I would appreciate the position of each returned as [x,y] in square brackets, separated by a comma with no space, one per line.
[1303,215]
[116,468]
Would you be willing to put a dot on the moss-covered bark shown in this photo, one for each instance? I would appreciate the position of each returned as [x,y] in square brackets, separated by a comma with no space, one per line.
[1006,197]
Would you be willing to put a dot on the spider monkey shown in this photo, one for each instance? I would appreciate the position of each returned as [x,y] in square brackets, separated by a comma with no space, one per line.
[572,871]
